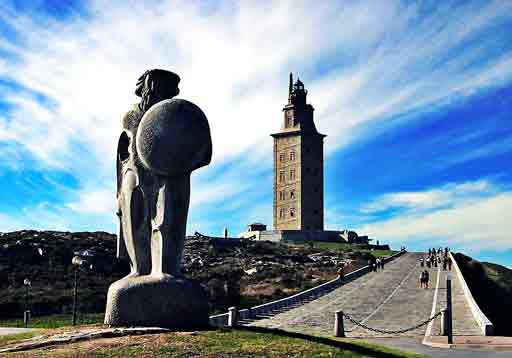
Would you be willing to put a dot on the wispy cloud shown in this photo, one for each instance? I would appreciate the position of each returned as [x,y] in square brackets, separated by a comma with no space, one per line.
[420,201]
[363,62]
[473,216]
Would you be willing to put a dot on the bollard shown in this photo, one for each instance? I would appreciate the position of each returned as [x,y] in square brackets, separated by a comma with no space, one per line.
[232,317]
[339,330]
[26,318]
[444,317]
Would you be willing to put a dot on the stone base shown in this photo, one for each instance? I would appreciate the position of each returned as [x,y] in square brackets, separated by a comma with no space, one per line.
[157,301]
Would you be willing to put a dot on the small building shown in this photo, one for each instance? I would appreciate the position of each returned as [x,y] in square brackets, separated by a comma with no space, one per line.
[257,227]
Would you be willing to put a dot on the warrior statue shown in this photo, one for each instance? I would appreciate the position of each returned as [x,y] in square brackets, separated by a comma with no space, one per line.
[162,141]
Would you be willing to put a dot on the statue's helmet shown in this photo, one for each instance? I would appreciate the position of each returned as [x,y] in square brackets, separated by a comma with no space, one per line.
[174,138]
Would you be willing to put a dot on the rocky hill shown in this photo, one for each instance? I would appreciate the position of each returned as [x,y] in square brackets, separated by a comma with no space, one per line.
[491,286]
[235,272]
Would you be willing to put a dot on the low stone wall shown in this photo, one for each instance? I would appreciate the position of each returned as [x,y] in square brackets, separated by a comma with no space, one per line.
[320,290]
[482,320]
[298,235]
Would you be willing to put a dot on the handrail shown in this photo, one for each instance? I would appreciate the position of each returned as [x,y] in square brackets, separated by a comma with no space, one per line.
[482,320]
[222,319]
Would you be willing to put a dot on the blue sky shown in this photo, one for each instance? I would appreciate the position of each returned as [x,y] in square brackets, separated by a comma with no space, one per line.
[415,98]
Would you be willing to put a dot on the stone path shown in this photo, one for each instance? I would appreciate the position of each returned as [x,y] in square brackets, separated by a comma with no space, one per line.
[390,299]
[463,322]
[7,331]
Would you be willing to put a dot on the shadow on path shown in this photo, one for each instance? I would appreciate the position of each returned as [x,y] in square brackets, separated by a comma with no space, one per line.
[324,340]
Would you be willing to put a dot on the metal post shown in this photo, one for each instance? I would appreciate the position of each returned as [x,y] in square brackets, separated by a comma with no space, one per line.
[449,318]
[232,317]
[26,318]
[75,295]
[26,297]
[339,330]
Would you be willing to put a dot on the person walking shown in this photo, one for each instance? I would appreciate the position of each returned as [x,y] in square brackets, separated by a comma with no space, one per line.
[422,279]
[427,278]
[341,271]
[449,263]
[422,262]
[445,263]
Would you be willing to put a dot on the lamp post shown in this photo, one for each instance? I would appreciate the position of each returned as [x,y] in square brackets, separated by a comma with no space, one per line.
[26,313]
[77,261]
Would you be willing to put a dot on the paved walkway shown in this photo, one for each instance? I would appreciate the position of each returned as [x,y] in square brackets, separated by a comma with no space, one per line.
[463,322]
[10,331]
[389,299]
[365,299]
[410,344]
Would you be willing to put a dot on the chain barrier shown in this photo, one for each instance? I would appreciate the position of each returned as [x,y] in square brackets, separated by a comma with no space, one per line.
[357,323]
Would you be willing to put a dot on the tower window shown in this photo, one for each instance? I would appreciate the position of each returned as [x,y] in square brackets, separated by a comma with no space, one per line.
[281,156]
[281,213]
[292,194]
[292,155]
[292,174]
[292,212]
[281,176]
[281,195]
[289,120]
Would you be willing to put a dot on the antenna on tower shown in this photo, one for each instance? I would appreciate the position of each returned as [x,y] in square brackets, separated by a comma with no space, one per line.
[291,84]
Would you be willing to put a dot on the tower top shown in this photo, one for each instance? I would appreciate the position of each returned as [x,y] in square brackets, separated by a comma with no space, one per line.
[296,92]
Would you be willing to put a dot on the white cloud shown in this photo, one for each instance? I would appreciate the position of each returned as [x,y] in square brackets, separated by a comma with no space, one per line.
[447,195]
[95,202]
[474,216]
[382,60]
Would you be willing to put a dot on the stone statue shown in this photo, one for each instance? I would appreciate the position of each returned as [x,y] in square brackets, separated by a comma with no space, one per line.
[162,141]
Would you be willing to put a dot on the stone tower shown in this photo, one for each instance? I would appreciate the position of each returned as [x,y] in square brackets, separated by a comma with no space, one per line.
[298,166]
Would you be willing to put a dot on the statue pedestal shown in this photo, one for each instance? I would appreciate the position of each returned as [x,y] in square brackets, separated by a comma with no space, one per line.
[157,301]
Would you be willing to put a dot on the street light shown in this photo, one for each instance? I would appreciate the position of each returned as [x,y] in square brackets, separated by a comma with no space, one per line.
[77,262]
[26,313]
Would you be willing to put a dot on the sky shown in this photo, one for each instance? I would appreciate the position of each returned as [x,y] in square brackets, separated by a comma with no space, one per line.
[415,97]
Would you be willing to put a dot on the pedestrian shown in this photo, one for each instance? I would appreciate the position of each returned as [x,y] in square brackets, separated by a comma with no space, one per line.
[427,278]
[428,262]
[445,263]
[422,262]
[382,264]
[449,264]
[341,272]
[422,278]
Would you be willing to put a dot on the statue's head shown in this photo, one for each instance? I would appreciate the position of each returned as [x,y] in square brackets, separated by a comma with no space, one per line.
[155,86]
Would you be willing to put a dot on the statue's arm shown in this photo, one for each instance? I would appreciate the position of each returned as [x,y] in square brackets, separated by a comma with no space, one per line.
[121,245]
[121,250]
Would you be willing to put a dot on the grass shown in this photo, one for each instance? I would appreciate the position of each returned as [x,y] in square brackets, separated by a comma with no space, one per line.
[342,246]
[224,343]
[12,338]
[54,321]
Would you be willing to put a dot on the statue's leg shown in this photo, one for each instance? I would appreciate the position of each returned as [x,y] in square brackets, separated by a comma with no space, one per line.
[135,224]
[169,224]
